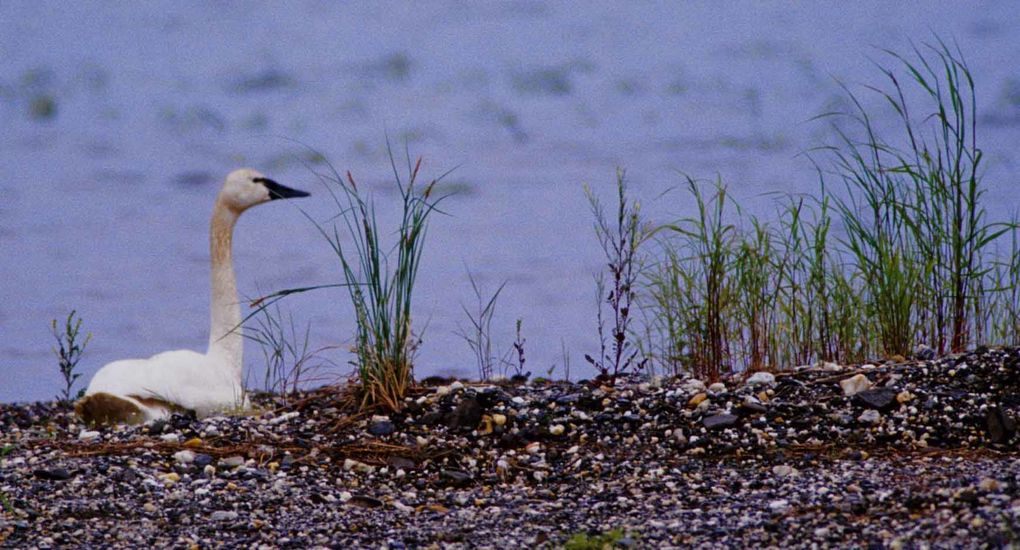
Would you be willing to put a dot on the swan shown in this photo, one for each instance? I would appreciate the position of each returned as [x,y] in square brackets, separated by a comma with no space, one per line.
[135,391]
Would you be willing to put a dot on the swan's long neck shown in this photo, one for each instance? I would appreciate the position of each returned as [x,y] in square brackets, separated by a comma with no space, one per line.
[225,337]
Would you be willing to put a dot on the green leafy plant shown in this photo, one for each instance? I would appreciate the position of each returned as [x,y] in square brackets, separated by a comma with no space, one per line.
[604,541]
[69,349]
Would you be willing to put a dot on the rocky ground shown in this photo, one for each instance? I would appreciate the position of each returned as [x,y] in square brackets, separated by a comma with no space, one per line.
[900,455]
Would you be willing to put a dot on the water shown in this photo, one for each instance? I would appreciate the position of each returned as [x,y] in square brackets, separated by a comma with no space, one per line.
[120,122]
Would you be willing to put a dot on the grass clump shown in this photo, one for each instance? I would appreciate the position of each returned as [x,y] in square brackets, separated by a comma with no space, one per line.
[289,357]
[604,541]
[380,280]
[916,226]
[479,335]
[380,291]
[901,254]
[70,347]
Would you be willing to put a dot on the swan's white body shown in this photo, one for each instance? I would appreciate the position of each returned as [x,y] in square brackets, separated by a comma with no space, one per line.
[141,390]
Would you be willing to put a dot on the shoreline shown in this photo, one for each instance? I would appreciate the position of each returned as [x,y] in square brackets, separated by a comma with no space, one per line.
[927,454]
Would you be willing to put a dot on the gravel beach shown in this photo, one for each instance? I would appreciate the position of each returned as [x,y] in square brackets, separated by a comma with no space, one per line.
[905,454]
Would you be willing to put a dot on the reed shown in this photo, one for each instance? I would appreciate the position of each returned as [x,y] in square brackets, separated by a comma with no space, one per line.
[911,258]
[379,278]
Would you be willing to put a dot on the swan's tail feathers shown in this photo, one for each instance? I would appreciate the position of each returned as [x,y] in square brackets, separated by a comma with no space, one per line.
[105,408]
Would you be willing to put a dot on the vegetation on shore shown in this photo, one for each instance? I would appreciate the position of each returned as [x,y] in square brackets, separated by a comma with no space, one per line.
[895,251]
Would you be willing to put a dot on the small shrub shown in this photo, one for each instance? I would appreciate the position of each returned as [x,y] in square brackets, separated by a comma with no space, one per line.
[517,352]
[70,347]
[620,238]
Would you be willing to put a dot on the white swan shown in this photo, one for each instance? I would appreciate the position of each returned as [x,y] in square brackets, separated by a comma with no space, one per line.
[141,390]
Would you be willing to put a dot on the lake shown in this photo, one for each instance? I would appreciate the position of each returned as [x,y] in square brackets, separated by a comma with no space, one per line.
[121,120]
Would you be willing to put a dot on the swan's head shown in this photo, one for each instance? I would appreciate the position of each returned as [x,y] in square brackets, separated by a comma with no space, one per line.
[245,188]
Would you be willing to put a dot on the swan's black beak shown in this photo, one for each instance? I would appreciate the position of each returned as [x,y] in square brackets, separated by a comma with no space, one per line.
[277,191]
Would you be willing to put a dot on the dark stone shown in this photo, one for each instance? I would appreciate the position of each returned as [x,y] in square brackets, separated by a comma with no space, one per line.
[752,409]
[882,399]
[568,399]
[401,463]
[365,501]
[56,474]
[719,421]
[967,495]
[456,478]
[924,353]
[432,418]
[203,460]
[287,462]
[466,416]
[183,421]
[1001,427]
[125,476]
[381,428]
[511,441]
[157,427]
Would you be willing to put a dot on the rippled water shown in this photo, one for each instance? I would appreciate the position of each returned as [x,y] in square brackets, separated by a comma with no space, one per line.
[120,121]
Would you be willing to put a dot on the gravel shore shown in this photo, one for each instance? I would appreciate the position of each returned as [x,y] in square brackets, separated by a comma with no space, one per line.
[909,454]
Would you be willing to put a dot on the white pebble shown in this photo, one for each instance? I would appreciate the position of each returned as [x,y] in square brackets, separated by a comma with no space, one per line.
[855,384]
[184,457]
[870,416]
[761,378]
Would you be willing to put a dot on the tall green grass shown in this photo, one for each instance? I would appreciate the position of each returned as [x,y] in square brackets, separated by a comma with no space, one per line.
[380,286]
[900,254]
[378,276]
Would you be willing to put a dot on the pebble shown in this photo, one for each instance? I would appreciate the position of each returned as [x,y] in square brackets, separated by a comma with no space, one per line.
[779,505]
[170,438]
[556,429]
[761,378]
[184,457]
[88,435]
[870,416]
[782,470]
[223,515]
[382,428]
[284,417]
[55,474]
[232,461]
[696,400]
[855,384]
[720,421]
[717,387]
[882,399]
